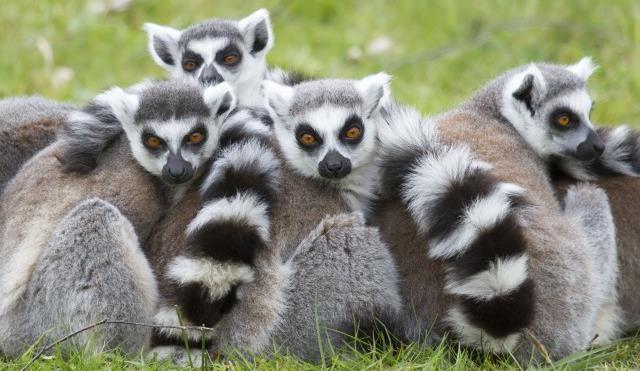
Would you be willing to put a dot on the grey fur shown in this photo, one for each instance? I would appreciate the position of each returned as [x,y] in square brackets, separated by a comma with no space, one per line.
[589,207]
[213,28]
[312,94]
[90,270]
[27,125]
[167,100]
[561,259]
[342,274]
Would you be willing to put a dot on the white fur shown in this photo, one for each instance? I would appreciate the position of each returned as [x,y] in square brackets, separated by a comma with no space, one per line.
[518,115]
[166,316]
[248,25]
[406,129]
[218,277]
[430,178]
[278,98]
[245,207]
[470,335]
[584,68]
[215,96]
[482,214]
[123,105]
[207,48]
[244,120]
[613,151]
[502,277]
[169,36]
[375,92]
[251,154]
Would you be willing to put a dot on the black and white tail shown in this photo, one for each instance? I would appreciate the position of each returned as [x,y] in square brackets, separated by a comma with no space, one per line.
[621,156]
[88,131]
[471,224]
[232,225]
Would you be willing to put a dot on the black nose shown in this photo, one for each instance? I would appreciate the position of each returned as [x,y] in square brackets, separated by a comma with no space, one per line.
[591,148]
[210,76]
[334,165]
[176,170]
[598,148]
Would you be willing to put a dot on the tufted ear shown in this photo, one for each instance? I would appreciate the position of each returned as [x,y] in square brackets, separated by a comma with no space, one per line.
[257,33]
[278,98]
[584,68]
[375,91]
[163,45]
[220,99]
[529,87]
[123,105]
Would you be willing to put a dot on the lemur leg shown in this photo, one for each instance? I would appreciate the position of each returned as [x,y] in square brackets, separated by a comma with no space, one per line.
[588,205]
[92,269]
[342,276]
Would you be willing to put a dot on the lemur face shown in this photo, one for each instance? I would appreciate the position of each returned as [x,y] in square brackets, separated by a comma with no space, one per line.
[328,128]
[214,51]
[172,128]
[550,106]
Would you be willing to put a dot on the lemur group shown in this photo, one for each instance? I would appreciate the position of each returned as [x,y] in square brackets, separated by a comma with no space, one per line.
[240,207]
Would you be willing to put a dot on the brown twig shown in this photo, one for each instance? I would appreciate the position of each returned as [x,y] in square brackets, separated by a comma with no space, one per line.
[107,322]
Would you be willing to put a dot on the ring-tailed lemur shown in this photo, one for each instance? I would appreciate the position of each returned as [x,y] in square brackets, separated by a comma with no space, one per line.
[564,299]
[555,120]
[256,214]
[204,54]
[29,125]
[172,131]
[322,136]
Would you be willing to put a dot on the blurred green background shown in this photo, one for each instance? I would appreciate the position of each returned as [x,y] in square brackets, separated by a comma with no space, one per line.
[438,51]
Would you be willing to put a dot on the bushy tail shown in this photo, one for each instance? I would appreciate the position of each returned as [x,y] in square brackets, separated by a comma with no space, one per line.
[88,131]
[620,157]
[471,224]
[232,225]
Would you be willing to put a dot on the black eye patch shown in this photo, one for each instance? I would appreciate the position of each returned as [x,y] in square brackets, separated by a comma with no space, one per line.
[230,56]
[196,137]
[308,138]
[152,142]
[564,118]
[352,131]
[191,56]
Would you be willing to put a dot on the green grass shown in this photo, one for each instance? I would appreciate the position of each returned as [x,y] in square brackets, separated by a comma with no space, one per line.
[441,52]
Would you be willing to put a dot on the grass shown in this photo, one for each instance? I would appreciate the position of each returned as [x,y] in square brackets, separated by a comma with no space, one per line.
[440,52]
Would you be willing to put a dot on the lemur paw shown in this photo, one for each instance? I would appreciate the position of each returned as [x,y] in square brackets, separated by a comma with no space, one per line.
[584,197]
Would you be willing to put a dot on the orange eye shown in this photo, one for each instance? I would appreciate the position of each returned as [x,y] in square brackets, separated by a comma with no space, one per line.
[231,59]
[189,65]
[563,120]
[196,138]
[153,142]
[353,133]
[307,139]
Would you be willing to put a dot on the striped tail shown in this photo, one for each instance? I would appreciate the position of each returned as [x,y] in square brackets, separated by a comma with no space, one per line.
[232,225]
[88,131]
[471,223]
[620,157]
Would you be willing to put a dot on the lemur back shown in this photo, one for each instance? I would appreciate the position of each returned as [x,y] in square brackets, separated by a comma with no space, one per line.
[27,125]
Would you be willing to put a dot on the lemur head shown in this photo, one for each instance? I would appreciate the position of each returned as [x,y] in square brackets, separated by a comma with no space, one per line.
[214,51]
[328,128]
[550,106]
[172,128]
